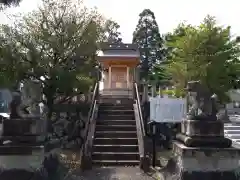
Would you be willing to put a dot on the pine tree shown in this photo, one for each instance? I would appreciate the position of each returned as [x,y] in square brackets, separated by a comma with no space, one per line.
[150,43]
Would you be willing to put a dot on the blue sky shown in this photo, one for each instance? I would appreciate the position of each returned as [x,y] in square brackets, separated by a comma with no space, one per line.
[169,13]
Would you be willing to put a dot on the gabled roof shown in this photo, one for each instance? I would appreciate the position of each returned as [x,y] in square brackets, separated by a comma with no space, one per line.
[119,50]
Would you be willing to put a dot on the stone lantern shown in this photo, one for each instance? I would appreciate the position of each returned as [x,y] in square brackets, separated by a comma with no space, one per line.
[201,151]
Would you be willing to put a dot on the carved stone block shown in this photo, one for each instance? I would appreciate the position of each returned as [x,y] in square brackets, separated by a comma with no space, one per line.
[194,128]
[211,141]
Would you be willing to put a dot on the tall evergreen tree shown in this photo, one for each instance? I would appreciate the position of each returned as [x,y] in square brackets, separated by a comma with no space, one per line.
[112,33]
[150,43]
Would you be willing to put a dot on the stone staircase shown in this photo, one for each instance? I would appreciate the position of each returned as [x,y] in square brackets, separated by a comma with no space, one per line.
[232,131]
[115,142]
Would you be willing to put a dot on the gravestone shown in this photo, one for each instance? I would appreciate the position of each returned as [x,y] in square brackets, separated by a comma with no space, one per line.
[201,151]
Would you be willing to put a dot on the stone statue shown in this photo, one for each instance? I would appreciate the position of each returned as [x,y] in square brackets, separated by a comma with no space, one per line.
[32,96]
[18,109]
[203,100]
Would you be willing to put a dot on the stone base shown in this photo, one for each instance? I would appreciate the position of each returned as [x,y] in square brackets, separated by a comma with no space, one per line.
[18,127]
[209,128]
[31,140]
[215,142]
[204,163]
[21,157]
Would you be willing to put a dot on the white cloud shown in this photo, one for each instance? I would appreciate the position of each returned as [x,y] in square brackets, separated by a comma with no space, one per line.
[169,13]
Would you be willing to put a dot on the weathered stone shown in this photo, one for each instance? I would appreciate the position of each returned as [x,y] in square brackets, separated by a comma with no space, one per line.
[204,100]
[21,157]
[18,127]
[193,128]
[205,163]
[21,174]
[211,141]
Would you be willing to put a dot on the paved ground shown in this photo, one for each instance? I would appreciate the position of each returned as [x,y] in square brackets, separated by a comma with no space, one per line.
[115,173]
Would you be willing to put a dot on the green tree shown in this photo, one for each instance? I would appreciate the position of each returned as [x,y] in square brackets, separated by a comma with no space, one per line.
[149,41]
[112,33]
[55,45]
[206,53]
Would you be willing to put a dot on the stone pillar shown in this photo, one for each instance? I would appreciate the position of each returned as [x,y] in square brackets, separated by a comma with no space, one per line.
[109,77]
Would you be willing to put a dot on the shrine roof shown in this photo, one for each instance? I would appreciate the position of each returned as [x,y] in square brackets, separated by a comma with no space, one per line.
[119,50]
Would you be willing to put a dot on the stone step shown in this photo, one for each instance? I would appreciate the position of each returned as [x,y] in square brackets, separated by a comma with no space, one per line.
[115,107]
[115,162]
[116,101]
[116,122]
[237,140]
[114,148]
[232,131]
[116,127]
[233,136]
[115,156]
[116,134]
[110,140]
[231,127]
[116,116]
[116,112]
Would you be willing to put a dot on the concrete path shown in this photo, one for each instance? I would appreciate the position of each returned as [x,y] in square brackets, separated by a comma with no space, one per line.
[115,173]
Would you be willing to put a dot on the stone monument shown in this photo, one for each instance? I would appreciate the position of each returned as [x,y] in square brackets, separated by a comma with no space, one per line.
[201,151]
[32,96]
[20,147]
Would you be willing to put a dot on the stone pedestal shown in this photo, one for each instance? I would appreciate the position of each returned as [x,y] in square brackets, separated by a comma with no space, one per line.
[20,149]
[204,163]
[17,127]
[196,133]
[21,162]
[21,157]
[21,131]
[193,128]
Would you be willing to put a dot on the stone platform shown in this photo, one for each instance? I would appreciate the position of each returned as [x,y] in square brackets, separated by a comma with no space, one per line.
[21,157]
[198,163]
